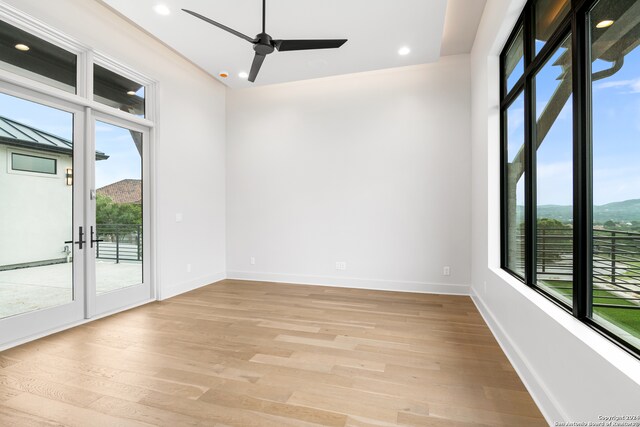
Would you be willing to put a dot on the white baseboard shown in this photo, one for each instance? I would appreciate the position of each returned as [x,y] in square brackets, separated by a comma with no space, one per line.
[541,395]
[352,282]
[172,291]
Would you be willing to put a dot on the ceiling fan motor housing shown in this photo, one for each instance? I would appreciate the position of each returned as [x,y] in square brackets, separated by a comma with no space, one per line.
[264,45]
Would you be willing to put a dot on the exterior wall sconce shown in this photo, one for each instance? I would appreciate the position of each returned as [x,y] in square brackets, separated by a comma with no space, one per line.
[69,176]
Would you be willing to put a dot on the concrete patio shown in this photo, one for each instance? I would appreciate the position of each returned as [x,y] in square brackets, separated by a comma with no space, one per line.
[35,288]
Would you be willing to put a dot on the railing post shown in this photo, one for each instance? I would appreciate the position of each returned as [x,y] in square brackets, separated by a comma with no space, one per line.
[613,257]
[543,252]
[117,245]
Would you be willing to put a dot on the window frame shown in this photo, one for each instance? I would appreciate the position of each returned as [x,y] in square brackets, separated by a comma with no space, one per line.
[574,24]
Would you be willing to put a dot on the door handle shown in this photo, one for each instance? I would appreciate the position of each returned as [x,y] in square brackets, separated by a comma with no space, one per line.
[80,241]
[94,240]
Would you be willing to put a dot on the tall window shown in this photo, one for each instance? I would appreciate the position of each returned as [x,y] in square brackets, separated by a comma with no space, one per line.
[570,99]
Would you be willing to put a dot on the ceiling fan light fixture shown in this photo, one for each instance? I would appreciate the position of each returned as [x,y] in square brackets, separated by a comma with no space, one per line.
[162,9]
[404,51]
[605,23]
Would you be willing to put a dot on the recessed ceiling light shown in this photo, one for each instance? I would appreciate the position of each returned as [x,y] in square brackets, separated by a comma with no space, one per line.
[22,47]
[162,9]
[243,75]
[223,74]
[604,24]
[404,51]
[131,92]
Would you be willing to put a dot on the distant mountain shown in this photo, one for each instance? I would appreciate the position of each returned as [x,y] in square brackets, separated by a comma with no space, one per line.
[626,211]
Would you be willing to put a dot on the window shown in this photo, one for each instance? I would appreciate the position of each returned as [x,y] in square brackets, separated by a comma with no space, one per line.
[116,91]
[25,54]
[548,17]
[26,163]
[570,178]
[514,186]
[615,93]
[554,174]
[514,63]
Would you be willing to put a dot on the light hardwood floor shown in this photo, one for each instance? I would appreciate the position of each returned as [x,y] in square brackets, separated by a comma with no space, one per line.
[262,354]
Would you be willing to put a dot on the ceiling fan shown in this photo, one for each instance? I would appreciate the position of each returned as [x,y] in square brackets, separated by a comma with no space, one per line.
[264,44]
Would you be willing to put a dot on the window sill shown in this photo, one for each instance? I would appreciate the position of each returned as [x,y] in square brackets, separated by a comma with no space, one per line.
[611,352]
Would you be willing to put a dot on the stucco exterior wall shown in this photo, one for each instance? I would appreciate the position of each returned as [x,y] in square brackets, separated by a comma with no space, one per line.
[35,210]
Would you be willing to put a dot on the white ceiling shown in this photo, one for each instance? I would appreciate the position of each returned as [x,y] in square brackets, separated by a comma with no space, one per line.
[376,29]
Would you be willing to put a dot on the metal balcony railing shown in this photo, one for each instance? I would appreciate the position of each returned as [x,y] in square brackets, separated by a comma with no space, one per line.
[120,242]
[616,264]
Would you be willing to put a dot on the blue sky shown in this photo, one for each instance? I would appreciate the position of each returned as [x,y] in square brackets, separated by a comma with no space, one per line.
[124,160]
[616,136]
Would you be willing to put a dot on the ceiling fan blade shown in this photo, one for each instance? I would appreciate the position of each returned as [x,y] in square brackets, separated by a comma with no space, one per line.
[286,45]
[255,67]
[223,27]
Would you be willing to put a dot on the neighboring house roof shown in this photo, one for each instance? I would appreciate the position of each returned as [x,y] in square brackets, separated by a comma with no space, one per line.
[125,191]
[18,134]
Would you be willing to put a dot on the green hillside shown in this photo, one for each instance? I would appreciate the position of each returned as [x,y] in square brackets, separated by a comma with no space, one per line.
[626,211]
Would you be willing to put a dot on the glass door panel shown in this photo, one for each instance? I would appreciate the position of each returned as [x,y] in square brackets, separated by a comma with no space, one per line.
[119,222]
[118,234]
[41,214]
[36,207]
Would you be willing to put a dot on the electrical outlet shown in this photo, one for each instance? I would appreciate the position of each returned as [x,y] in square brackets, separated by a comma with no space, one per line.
[188,268]
[252,260]
[341,265]
[446,271]
[179,217]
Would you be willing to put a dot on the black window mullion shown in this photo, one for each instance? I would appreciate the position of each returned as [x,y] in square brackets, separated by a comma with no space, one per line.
[504,238]
[582,206]
[514,93]
[550,46]
[503,162]
[530,152]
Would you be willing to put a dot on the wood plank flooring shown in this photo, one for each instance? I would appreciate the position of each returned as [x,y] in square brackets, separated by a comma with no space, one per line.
[240,353]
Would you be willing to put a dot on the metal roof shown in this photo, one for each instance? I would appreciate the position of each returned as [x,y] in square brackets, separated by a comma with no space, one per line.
[20,135]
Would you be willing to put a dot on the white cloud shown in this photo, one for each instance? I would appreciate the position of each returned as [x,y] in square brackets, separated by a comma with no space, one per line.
[632,85]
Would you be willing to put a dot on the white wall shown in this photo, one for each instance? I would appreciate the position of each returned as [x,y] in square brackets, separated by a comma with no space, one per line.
[371,169]
[35,210]
[190,143]
[573,373]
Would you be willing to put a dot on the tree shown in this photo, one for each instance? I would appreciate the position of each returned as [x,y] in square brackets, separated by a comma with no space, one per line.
[110,213]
